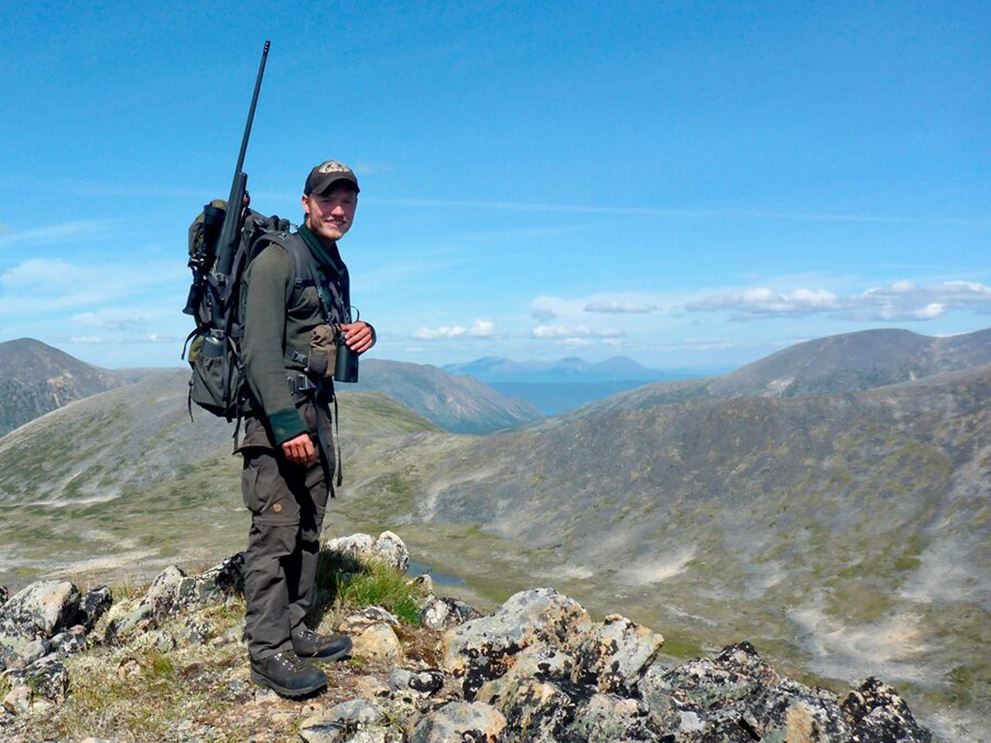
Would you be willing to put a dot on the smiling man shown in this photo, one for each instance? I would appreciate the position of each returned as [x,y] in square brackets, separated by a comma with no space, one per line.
[296,309]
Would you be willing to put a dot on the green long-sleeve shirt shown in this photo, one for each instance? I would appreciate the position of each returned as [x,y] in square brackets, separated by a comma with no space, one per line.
[278,322]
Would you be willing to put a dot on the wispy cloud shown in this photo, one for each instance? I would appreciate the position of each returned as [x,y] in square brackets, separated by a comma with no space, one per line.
[620,308]
[581,335]
[900,301]
[55,233]
[677,213]
[478,329]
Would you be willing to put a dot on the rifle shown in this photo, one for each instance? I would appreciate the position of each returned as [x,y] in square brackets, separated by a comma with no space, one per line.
[222,232]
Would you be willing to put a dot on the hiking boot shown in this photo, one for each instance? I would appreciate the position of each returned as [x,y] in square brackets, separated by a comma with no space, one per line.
[309,644]
[287,674]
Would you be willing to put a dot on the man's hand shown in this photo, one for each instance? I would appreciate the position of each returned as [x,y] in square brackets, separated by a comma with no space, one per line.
[358,336]
[299,450]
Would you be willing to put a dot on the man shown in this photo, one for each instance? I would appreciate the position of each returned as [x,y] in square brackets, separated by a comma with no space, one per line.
[288,451]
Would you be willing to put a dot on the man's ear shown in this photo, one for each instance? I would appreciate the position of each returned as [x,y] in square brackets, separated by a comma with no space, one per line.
[306,204]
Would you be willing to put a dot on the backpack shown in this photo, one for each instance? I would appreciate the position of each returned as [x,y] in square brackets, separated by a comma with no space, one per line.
[217,383]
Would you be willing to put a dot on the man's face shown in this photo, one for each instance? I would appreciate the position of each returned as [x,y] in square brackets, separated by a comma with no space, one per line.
[329,215]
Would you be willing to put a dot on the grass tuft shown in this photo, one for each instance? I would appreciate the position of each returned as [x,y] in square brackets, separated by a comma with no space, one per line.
[374,583]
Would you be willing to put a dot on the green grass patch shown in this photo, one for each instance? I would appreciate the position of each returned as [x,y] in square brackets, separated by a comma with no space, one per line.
[351,585]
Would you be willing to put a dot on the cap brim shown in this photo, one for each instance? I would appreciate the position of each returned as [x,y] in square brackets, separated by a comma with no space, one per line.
[326,185]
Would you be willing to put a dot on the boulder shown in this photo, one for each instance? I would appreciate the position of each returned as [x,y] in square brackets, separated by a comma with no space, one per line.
[362,548]
[483,649]
[606,718]
[378,643]
[70,642]
[444,613]
[42,609]
[876,712]
[46,678]
[428,681]
[93,605]
[460,721]
[355,624]
[357,720]
[613,655]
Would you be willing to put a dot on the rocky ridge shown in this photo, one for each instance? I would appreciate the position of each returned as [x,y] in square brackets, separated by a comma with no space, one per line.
[538,669]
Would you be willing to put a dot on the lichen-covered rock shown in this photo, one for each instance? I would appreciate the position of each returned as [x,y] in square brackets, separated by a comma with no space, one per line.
[163,592]
[18,651]
[427,681]
[607,718]
[483,649]
[358,622]
[613,654]
[4,595]
[877,713]
[196,631]
[70,642]
[47,678]
[354,720]
[535,710]
[18,700]
[93,605]
[392,551]
[444,613]
[42,609]
[737,696]
[358,548]
[460,721]
[378,643]
[127,618]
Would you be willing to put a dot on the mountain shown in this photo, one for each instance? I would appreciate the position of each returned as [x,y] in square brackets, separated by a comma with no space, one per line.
[127,476]
[571,369]
[36,378]
[457,403]
[558,386]
[841,363]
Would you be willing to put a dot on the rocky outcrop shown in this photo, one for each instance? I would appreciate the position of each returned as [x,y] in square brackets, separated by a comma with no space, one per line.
[539,669]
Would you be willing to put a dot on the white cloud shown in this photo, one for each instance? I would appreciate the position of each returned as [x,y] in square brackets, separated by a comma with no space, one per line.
[899,301]
[634,308]
[581,335]
[478,329]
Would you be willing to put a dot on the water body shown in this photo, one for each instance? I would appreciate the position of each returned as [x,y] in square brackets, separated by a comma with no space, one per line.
[441,579]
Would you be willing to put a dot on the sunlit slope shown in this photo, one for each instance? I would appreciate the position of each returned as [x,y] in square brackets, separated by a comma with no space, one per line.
[125,479]
[851,362]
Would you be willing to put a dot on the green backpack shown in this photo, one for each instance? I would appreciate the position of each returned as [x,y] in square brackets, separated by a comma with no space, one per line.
[217,383]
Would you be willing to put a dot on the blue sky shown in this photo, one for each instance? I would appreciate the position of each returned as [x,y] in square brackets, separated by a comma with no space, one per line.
[688,184]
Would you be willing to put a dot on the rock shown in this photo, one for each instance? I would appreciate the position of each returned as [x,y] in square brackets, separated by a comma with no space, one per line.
[391,550]
[424,584]
[460,721]
[161,596]
[428,681]
[163,641]
[606,718]
[361,548]
[736,696]
[378,643]
[614,654]
[70,642]
[127,618]
[445,613]
[346,722]
[482,649]
[94,605]
[4,595]
[196,631]
[535,710]
[355,624]
[41,609]
[47,679]
[128,668]
[18,700]
[876,712]
[222,580]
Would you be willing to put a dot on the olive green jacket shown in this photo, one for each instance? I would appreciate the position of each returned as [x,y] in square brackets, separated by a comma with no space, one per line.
[278,319]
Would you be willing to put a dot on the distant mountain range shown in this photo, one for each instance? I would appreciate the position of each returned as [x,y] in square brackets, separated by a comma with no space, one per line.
[557,386]
[36,378]
[458,404]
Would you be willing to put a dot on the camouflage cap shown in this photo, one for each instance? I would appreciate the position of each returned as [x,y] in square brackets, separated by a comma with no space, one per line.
[326,174]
